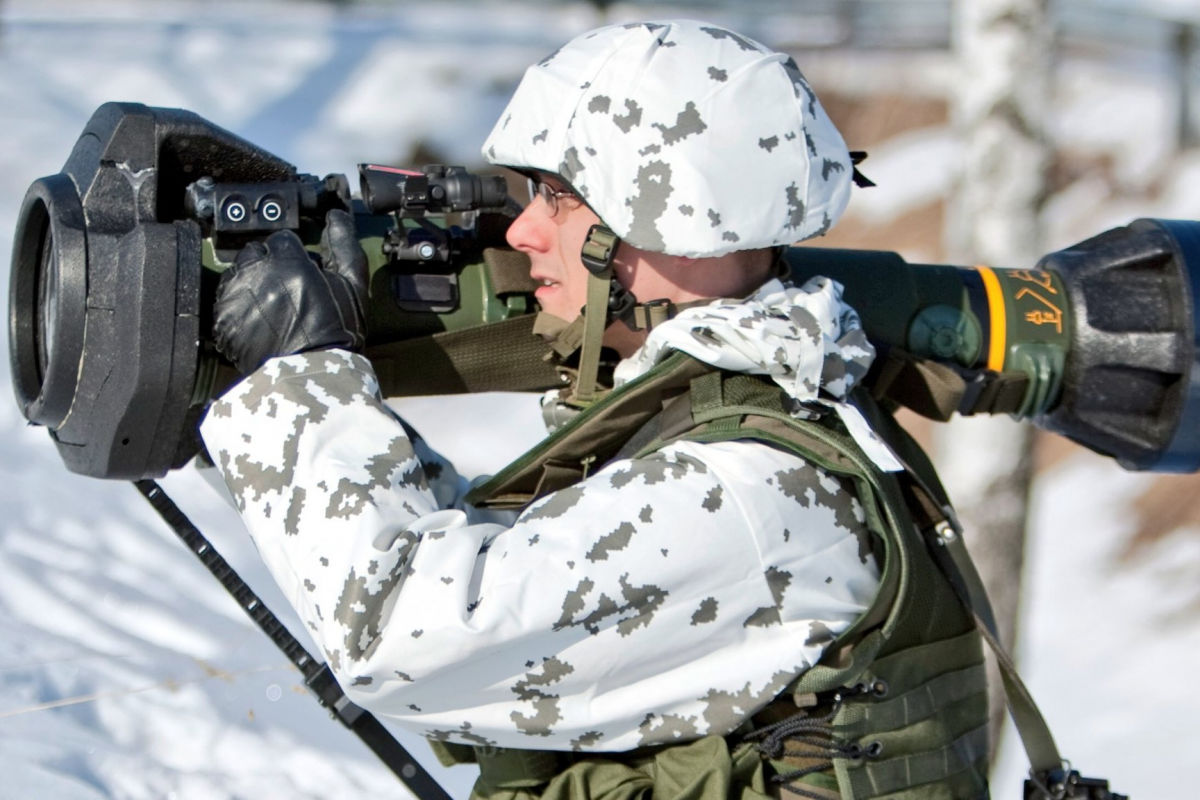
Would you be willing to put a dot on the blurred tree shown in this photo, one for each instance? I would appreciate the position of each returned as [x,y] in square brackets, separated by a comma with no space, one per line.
[999,106]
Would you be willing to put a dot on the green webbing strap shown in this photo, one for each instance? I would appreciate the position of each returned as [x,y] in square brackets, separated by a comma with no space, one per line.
[508,271]
[1031,725]
[887,776]
[935,517]
[563,337]
[938,391]
[497,356]
[595,321]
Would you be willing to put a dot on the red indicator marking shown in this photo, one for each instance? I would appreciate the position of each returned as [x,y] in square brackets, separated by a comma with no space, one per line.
[394,170]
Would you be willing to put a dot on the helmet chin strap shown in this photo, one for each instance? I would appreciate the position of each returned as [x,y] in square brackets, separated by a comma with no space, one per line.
[603,290]
[607,302]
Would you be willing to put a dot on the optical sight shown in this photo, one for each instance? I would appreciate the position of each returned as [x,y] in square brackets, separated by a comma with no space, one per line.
[437,189]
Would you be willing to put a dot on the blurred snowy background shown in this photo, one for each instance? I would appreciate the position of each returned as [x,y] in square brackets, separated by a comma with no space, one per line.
[125,672]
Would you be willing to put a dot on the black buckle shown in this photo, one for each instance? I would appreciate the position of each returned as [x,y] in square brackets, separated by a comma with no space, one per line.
[975,383]
[1067,784]
[598,250]
[621,302]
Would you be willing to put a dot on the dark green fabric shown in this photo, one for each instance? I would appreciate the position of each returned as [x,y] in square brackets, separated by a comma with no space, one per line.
[500,767]
[919,704]
[498,356]
[450,754]
[921,772]
[938,391]
[703,769]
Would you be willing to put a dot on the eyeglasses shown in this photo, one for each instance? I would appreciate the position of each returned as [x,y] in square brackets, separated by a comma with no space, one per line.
[539,188]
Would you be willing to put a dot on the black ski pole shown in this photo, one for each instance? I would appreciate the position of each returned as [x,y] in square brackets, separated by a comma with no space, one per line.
[317,675]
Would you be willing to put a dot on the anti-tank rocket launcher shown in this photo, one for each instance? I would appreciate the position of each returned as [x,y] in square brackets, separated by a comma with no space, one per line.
[116,258]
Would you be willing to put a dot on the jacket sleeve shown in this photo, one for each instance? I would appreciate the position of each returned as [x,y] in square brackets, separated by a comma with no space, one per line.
[662,598]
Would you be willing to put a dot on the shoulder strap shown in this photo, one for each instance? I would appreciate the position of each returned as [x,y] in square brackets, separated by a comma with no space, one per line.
[942,531]
[950,554]
[589,440]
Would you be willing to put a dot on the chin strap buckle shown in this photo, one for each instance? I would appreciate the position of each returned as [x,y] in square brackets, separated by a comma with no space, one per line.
[598,250]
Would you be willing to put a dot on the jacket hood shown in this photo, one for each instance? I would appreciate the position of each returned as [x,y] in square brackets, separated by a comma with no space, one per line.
[806,338]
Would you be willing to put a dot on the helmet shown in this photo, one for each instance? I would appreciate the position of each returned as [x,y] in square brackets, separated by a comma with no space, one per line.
[684,137]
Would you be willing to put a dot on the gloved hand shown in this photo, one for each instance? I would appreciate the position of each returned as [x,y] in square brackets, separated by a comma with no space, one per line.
[277,299]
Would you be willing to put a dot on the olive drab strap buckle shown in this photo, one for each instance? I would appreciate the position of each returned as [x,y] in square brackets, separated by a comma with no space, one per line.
[598,250]
[597,254]
[607,302]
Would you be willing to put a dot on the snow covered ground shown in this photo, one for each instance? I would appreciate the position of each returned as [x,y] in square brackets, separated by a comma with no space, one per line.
[127,673]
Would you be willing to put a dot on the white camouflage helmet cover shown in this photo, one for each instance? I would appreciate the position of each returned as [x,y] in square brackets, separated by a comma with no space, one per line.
[685,138]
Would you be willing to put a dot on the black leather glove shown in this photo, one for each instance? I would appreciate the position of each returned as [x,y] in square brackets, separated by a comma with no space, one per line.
[277,299]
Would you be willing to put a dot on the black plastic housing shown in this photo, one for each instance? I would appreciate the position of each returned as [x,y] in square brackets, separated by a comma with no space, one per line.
[105,354]
[1131,387]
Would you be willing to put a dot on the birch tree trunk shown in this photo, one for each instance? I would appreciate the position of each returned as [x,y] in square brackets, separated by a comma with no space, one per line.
[1003,58]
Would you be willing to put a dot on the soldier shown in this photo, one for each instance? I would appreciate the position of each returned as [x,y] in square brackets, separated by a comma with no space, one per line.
[658,613]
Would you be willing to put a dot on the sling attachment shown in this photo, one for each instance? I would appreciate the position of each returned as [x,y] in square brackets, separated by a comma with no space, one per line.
[938,391]
[317,676]
[1050,776]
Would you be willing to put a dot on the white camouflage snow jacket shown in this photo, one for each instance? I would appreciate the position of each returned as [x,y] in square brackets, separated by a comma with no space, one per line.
[661,599]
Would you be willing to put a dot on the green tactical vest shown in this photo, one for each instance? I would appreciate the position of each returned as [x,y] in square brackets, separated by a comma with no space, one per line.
[897,705]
